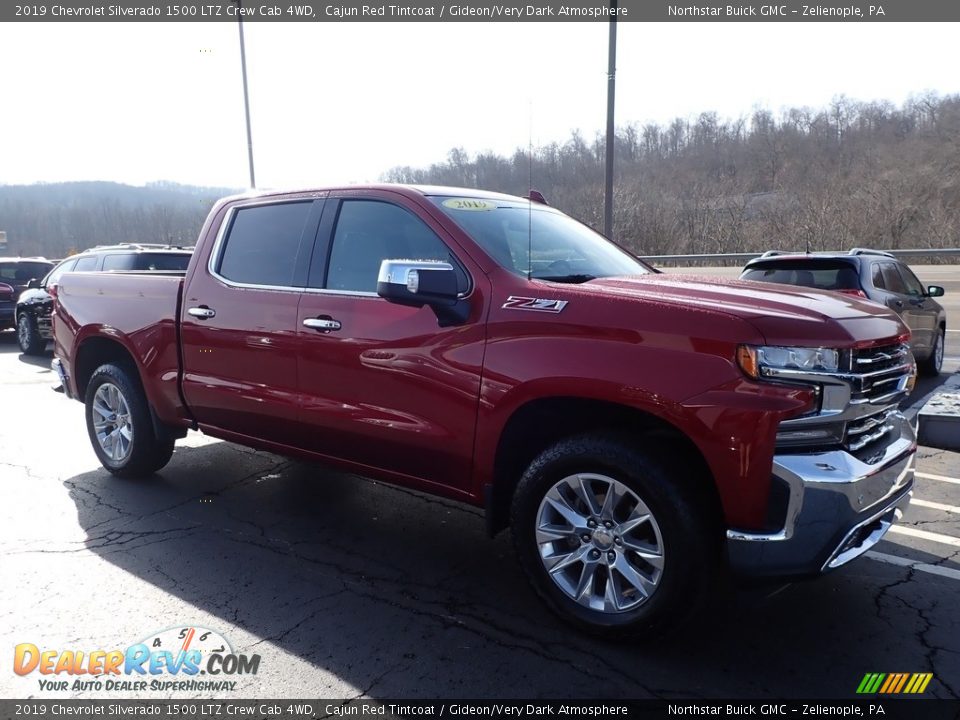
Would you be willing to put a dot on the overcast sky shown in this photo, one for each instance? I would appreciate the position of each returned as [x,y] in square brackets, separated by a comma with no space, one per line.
[137,102]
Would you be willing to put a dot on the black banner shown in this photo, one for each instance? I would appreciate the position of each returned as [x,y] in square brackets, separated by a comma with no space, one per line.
[875,707]
[480,11]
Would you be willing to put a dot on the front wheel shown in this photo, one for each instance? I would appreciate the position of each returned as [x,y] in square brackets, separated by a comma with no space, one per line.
[28,336]
[614,538]
[934,363]
[120,427]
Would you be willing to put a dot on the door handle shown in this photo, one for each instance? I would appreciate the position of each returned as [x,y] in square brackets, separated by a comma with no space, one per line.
[322,323]
[204,313]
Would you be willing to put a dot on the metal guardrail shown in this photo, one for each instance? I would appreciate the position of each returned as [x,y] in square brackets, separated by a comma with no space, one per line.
[743,257]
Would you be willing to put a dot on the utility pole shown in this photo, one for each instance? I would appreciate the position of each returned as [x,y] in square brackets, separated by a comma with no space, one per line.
[246,94]
[611,88]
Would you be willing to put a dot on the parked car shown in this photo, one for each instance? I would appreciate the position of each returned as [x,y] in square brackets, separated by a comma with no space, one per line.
[16,274]
[35,304]
[637,431]
[872,274]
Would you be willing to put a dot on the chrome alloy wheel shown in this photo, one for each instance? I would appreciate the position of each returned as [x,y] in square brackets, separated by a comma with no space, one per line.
[938,351]
[111,422]
[599,543]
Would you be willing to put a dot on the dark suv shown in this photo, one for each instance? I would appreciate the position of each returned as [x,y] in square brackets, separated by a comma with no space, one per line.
[872,274]
[15,276]
[36,303]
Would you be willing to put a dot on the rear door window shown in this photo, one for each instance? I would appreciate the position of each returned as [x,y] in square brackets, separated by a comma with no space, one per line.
[877,277]
[263,243]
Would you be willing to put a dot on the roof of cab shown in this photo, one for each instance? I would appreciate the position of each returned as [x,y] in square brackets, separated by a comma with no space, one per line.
[422,190]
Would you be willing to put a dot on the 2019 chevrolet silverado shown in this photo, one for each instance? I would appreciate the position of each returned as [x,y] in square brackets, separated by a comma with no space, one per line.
[637,432]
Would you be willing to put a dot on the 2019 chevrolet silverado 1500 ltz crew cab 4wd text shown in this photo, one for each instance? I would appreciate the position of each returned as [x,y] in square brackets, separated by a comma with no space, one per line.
[636,431]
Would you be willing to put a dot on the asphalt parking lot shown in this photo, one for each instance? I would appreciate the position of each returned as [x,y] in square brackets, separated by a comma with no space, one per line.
[347,588]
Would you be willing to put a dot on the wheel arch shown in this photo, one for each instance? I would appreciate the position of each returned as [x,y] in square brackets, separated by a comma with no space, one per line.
[540,423]
[96,350]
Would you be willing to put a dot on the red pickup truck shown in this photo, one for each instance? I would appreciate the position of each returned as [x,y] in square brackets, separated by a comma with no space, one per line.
[638,432]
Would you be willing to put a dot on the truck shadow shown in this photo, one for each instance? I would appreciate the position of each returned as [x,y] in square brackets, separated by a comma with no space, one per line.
[395,594]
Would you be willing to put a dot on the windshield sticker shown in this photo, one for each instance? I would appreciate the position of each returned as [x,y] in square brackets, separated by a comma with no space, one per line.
[473,204]
[538,304]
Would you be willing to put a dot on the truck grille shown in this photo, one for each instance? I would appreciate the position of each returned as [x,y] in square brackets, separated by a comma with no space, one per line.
[881,378]
[881,375]
[868,429]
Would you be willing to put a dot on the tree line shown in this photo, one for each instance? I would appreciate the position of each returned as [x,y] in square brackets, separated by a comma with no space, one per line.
[57,219]
[853,174]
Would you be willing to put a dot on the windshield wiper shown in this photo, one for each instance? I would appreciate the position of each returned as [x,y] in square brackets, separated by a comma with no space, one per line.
[571,278]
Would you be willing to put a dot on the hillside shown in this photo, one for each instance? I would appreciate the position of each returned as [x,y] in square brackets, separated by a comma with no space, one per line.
[853,174]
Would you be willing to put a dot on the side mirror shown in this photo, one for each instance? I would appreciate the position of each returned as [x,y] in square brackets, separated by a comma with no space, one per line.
[934,291]
[33,284]
[416,283]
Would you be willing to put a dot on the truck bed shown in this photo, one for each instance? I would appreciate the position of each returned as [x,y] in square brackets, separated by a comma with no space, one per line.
[139,310]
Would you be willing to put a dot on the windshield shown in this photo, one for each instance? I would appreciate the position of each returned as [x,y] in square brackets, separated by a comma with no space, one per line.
[538,242]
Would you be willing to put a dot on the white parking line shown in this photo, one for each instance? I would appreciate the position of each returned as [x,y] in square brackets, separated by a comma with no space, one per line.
[936,506]
[949,330]
[924,535]
[922,567]
[941,478]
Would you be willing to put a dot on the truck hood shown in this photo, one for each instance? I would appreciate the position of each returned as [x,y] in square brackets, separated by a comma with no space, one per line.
[783,314]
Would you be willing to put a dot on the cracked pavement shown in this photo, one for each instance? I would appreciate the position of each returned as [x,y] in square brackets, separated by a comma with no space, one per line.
[349,588]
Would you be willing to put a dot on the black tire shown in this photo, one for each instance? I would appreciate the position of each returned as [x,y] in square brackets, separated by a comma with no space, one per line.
[28,336]
[145,452]
[688,534]
[933,364]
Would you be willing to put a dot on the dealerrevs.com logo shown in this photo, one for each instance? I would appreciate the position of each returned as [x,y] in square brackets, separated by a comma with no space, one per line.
[187,659]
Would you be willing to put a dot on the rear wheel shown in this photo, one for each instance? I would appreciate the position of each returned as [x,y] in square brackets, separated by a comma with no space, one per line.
[934,363]
[614,538]
[31,342]
[120,426]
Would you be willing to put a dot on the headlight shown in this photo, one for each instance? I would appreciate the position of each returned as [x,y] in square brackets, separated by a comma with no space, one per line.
[761,361]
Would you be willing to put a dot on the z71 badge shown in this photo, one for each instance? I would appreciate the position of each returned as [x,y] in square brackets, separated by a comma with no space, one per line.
[538,304]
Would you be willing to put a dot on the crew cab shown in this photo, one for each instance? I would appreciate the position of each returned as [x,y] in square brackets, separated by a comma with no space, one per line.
[639,433]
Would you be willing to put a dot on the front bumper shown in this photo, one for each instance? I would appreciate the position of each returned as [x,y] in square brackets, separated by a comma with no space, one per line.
[837,508]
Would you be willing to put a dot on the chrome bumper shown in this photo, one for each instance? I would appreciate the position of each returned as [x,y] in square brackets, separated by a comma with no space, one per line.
[838,507]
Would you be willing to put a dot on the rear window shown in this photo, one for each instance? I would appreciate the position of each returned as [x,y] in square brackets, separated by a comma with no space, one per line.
[824,275]
[20,273]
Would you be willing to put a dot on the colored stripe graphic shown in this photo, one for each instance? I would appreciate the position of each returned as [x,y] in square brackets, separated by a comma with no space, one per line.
[903,681]
[894,683]
[892,679]
[871,683]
